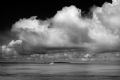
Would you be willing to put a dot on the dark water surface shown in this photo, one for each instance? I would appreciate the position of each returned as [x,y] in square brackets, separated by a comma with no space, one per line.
[59,72]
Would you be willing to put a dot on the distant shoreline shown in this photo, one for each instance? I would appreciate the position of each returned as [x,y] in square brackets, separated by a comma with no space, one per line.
[81,63]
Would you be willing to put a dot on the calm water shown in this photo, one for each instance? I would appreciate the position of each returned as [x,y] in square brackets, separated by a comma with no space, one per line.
[59,72]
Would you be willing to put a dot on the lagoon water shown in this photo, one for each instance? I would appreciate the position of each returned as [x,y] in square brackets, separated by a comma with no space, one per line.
[59,72]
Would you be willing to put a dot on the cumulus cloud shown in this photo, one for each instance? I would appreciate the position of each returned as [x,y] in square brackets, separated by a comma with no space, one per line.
[11,48]
[69,29]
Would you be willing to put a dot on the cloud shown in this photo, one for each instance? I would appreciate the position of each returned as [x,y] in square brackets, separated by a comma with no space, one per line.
[11,48]
[68,28]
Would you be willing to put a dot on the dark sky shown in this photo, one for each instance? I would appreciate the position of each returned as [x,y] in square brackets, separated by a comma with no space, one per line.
[13,11]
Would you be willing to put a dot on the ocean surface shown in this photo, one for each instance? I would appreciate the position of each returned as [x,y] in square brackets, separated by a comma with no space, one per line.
[62,71]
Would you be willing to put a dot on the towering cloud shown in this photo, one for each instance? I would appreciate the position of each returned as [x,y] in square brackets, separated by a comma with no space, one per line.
[69,29]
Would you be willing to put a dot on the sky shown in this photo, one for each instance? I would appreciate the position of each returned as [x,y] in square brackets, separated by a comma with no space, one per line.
[13,11]
[59,24]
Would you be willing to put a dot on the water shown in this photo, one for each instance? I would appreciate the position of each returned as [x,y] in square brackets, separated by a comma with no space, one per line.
[59,72]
